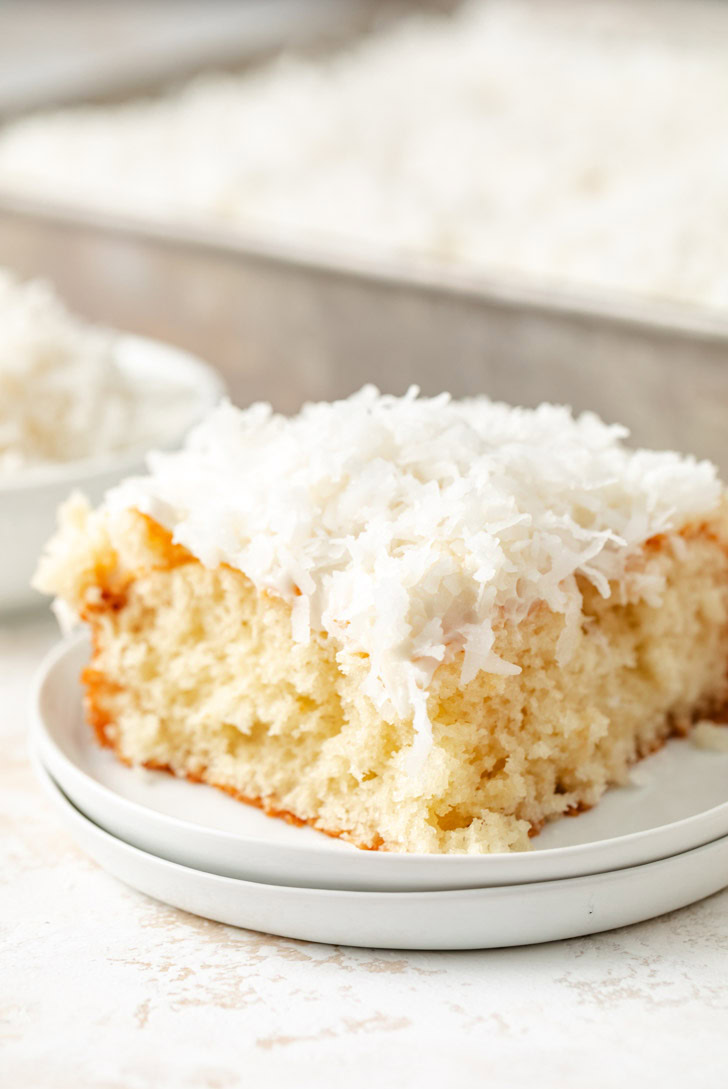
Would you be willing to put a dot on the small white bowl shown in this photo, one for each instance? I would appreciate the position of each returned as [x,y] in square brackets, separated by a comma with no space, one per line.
[30,499]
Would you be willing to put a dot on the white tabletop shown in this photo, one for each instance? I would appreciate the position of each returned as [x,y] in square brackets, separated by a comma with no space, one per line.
[101,988]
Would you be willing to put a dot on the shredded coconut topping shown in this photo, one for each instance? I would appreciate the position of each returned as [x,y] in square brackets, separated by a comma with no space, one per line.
[408,528]
[65,393]
[62,395]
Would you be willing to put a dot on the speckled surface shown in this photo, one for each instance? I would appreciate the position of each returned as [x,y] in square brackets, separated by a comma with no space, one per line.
[101,988]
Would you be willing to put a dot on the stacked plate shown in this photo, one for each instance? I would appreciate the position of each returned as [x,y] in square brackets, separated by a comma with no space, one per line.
[650,847]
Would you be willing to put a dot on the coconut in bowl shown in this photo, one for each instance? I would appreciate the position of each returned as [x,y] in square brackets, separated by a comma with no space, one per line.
[80,407]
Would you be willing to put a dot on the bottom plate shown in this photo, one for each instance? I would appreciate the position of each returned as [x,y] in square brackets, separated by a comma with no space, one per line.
[454,919]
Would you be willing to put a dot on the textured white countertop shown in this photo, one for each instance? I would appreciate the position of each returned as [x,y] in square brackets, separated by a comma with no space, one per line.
[101,988]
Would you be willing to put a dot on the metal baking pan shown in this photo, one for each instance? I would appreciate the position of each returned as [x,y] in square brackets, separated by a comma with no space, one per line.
[287,324]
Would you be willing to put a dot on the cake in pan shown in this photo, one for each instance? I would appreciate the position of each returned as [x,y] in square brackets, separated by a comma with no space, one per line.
[420,624]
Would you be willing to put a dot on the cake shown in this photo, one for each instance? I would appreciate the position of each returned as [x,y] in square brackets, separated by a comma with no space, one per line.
[421,624]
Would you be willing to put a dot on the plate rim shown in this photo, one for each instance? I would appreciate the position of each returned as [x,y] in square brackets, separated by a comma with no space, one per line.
[489,892]
[486,918]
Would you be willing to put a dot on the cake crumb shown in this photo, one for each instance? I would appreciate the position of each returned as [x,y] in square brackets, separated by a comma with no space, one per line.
[712,736]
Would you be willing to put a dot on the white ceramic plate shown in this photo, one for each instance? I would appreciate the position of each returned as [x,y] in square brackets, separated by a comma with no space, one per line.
[454,919]
[185,386]
[681,802]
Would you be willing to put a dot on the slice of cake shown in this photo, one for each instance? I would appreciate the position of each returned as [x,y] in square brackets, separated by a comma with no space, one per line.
[420,624]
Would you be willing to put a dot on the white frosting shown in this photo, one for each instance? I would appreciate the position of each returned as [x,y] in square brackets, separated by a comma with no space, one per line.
[406,527]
